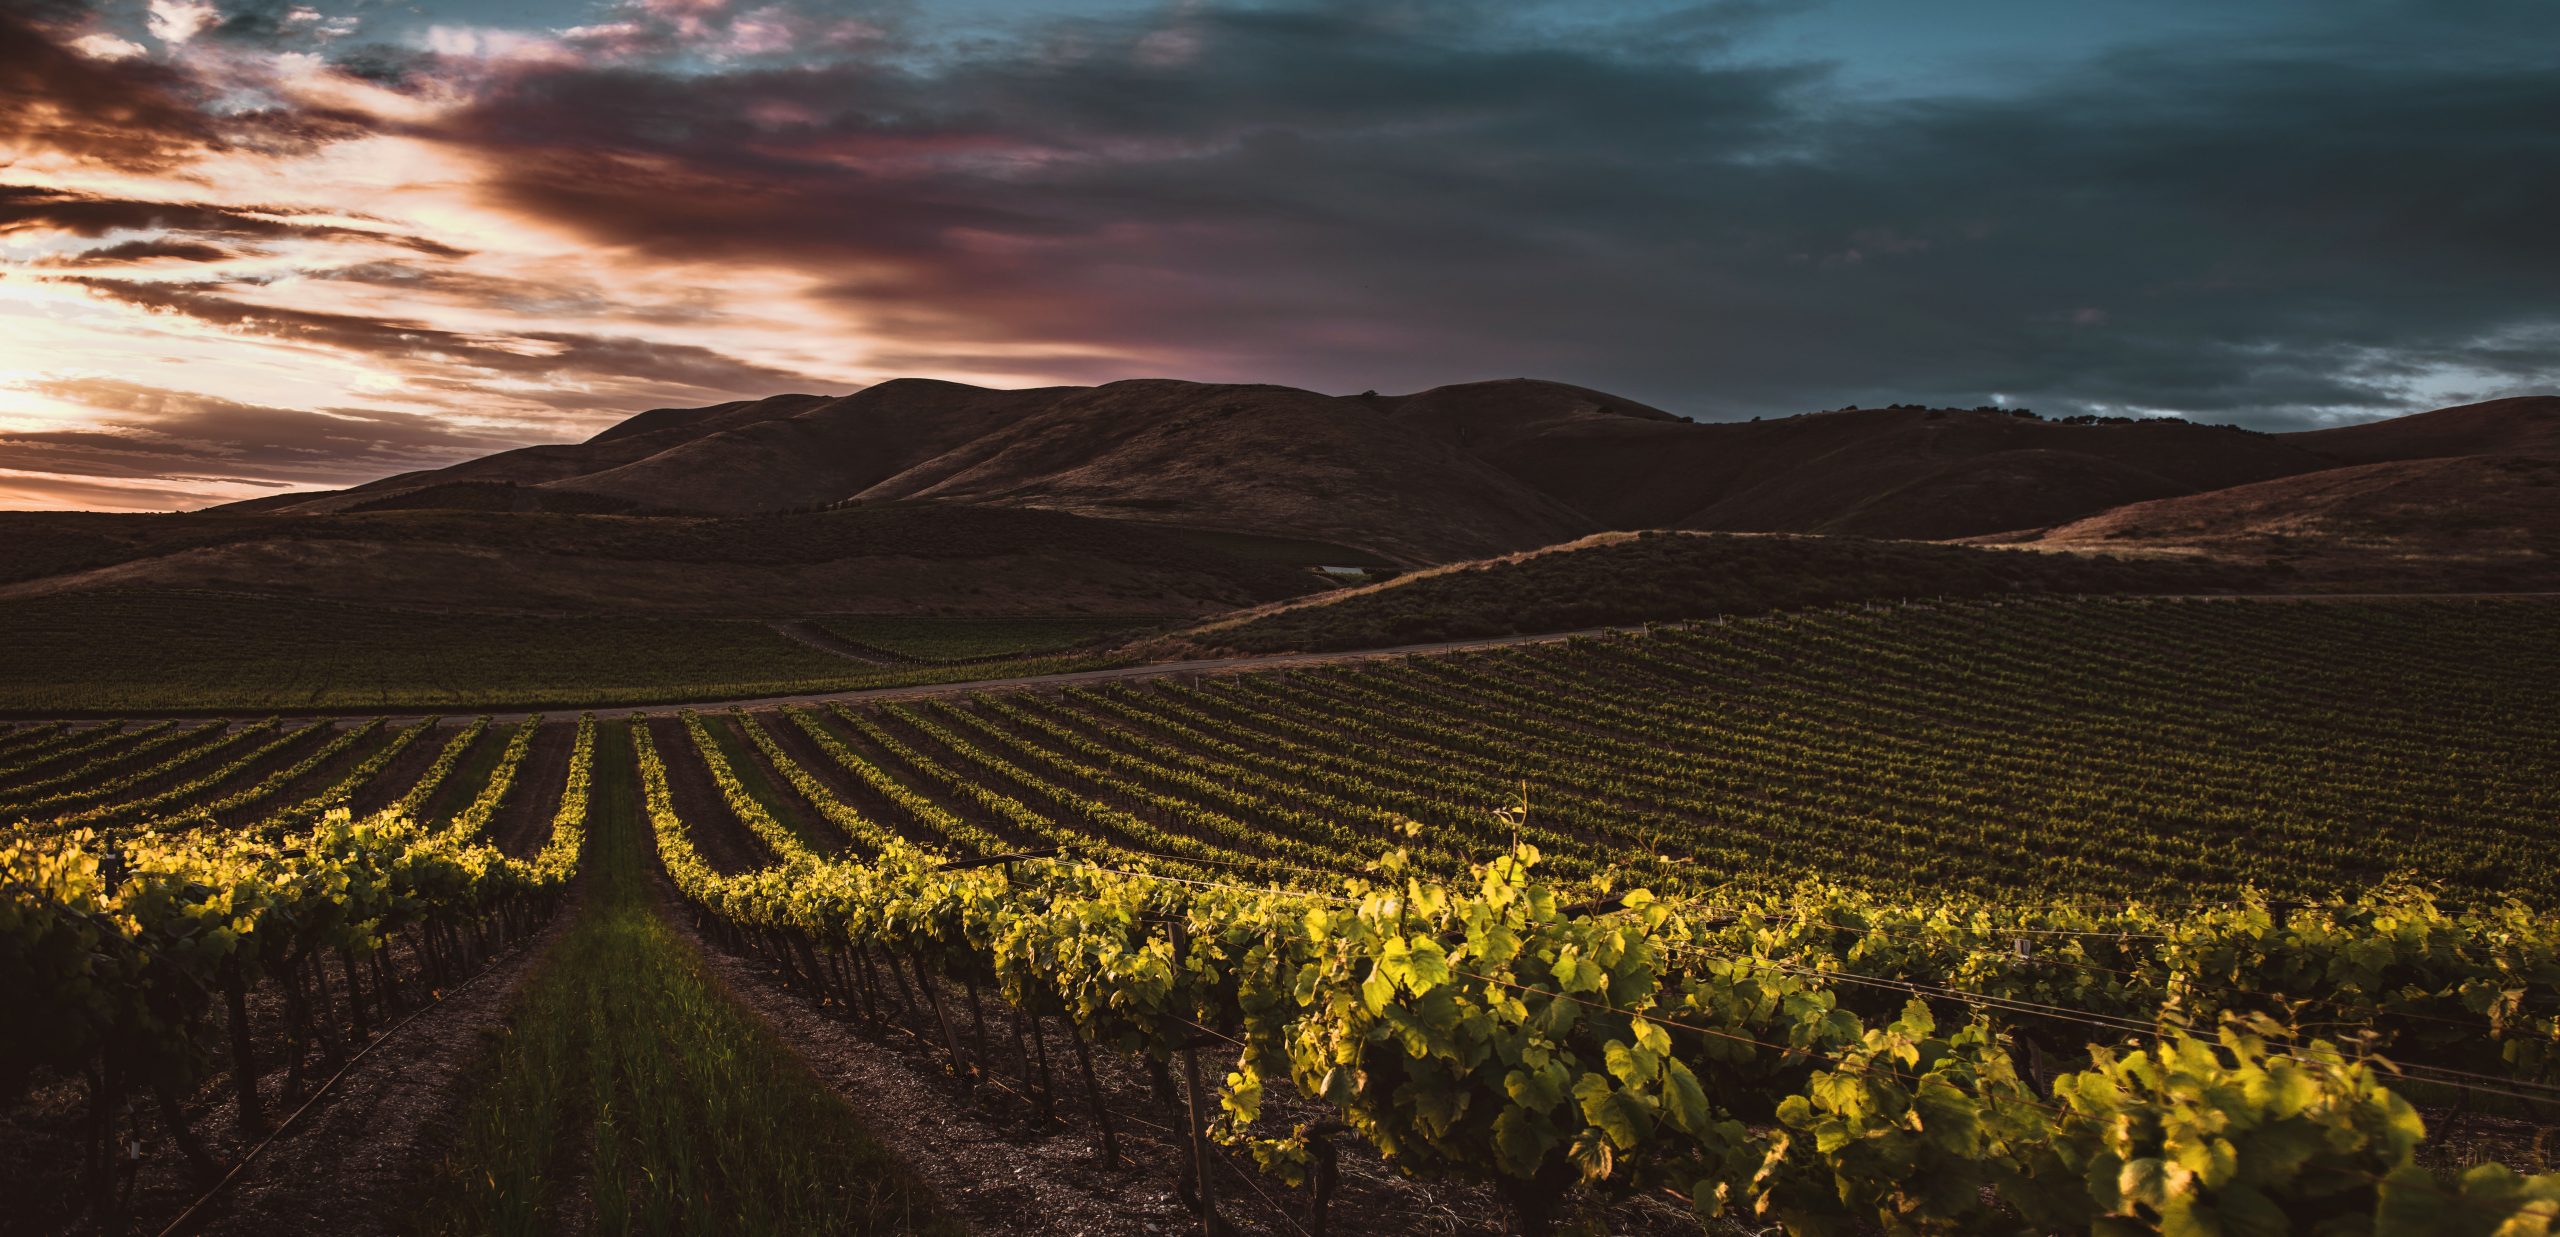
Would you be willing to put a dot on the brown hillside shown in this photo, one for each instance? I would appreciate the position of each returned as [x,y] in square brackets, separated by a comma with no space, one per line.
[1487,416]
[880,560]
[2488,522]
[2528,425]
[636,438]
[1449,473]
[1271,460]
[1879,472]
[1268,461]
[1951,474]
[1619,579]
[827,452]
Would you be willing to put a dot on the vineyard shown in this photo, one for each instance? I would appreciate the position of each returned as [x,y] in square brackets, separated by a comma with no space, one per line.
[2119,916]
[101,654]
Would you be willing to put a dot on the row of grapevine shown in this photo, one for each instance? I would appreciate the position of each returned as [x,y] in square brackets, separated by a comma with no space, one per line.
[1891,751]
[474,817]
[1240,774]
[414,801]
[114,778]
[72,746]
[1483,1031]
[136,959]
[127,811]
[228,808]
[17,741]
[131,962]
[862,831]
[342,789]
[29,795]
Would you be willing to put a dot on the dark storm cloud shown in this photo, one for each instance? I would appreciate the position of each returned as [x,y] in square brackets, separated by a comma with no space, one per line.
[134,113]
[2350,216]
[148,250]
[128,113]
[1382,197]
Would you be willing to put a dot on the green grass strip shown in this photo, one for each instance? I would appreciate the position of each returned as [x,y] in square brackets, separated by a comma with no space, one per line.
[627,1068]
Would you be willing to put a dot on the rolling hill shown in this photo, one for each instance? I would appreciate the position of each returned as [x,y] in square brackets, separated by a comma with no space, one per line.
[1622,579]
[1183,498]
[884,559]
[2464,521]
[1257,460]
[2527,425]
[1446,474]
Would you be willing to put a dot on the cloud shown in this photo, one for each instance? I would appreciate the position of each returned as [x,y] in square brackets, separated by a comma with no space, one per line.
[104,46]
[1357,198]
[150,445]
[148,250]
[2343,215]
[69,89]
[607,368]
[126,112]
[53,491]
[32,208]
[176,21]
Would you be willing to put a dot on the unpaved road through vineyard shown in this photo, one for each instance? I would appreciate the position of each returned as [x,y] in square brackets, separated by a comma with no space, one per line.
[1239,664]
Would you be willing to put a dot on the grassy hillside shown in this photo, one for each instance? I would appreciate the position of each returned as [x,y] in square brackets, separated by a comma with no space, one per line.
[2484,523]
[952,640]
[918,558]
[159,651]
[1660,576]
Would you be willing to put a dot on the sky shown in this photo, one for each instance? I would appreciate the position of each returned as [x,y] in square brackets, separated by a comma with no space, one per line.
[248,246]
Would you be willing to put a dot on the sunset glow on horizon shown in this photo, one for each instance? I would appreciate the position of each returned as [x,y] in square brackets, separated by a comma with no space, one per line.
[248,246]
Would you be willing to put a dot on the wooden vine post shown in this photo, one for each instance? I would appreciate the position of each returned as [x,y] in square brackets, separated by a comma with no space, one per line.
[1196,1121]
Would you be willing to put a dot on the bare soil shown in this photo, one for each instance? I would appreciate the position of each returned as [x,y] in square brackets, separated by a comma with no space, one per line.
[314,780]
[343,1168]
[847,789]
[463,781]
[352,1164]
[523,823]
[791,807]
[402,774]
[717,832]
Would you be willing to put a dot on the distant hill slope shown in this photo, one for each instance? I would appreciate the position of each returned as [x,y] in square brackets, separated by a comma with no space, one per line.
[890,559]
[1881,472]
[1261,460]
[1257,459]
[2480,521]
[828,452]
[636,438]
[1450,473]
[1617,579]
[2528,425]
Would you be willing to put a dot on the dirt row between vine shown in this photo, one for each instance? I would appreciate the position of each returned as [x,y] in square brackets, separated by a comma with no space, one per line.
[523,823]
[353,1166]
[348,1167]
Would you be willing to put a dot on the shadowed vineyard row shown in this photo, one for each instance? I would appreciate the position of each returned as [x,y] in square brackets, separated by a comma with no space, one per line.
[2135,916]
